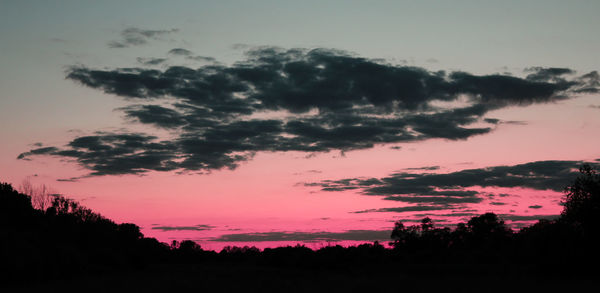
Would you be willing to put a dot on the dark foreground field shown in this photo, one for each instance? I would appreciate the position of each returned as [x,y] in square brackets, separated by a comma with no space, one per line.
[253,278]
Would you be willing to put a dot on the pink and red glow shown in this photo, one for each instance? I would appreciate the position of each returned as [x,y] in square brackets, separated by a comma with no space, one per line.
[266,194]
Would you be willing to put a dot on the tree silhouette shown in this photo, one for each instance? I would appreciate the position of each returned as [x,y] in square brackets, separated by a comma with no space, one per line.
[487,225]
[41,195]
[582,200]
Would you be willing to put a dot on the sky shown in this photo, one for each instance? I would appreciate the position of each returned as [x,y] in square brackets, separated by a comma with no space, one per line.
[271,123]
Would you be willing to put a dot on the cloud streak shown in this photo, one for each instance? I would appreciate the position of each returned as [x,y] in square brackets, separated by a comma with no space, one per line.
[183,228]
[350,235]
[451,188]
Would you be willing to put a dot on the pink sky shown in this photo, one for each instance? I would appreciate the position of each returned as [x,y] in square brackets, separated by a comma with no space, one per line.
[279,194]
[266,194]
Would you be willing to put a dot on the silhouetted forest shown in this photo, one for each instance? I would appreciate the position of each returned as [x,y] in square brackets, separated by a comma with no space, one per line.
[62,240]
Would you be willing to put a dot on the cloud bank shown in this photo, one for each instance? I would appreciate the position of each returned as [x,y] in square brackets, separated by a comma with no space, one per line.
[432,191]
[303,100]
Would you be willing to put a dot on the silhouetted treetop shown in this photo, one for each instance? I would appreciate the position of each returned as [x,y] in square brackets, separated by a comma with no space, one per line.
[582,199]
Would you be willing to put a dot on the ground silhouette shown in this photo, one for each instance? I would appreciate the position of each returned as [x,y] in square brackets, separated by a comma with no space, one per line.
[68,246]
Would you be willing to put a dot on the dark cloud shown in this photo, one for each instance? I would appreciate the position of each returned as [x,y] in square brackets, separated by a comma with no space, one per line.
[498,121]
[135,37]
[202,59]
[535,206]
[189,55]
[418,208]
[444,199]
[590,83]
[492,120]
[115,154]
[180,52]
[356,235]
[461,214]
[450,188]
[37,151]
[426,168]
[518,218]
[320,100]
[548,74]
[183,228]
[150,61]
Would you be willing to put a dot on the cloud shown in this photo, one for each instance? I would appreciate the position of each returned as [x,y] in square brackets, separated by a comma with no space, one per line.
[498,121]
[183,228]
[450,188]
[418,208]
[426,168]
[535,206]
[316,100]
[115,154]
[189,55]
[202,59]
[150,61]
[548,74]
[350,235]
[444,199]
[460,214]
[180,52]
[135,37]
[521,218]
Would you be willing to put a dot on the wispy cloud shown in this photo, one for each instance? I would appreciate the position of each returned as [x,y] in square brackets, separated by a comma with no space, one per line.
[135,37]
[350,235]
[183,228]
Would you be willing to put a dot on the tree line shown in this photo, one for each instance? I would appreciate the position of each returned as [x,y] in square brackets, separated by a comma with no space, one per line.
[54,237]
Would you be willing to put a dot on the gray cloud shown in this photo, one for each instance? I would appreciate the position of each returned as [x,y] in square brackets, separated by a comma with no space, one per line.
[521,218]
[115,154]
[201,59]
[460,214]
[135,37]
[356,235]
[183,228]
[180,52]
[449,188]
[150,61]
[418,208]
[426,168]
[548,74]
[189,55]
[329,99]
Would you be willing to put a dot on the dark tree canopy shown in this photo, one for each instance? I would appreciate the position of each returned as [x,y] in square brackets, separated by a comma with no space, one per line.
[582,200]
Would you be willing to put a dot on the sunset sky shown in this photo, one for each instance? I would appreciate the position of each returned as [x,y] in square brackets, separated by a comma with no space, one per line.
[278,122]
